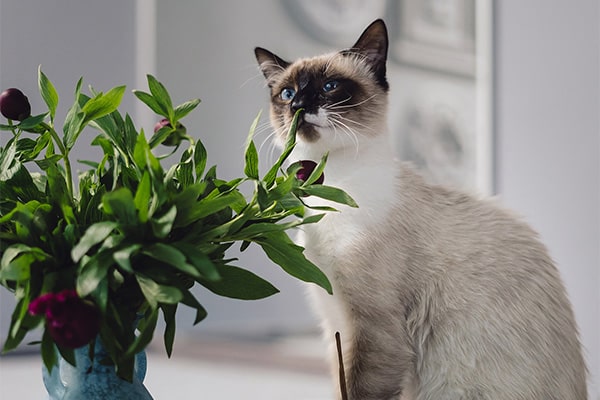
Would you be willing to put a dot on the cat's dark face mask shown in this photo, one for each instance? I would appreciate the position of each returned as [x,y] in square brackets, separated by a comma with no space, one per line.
[337,93]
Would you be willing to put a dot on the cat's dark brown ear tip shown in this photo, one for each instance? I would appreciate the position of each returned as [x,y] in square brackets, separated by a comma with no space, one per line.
[373,45]
[269,63]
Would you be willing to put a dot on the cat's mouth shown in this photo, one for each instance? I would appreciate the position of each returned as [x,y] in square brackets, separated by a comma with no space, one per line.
[308,125]
[316,120]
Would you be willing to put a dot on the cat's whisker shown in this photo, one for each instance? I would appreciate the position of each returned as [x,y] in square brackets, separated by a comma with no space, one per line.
[336,105]
[332,105]
[257,76]
[348,131]
[357,123]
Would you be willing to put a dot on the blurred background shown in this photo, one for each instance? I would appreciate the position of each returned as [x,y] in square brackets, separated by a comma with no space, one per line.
[500,98]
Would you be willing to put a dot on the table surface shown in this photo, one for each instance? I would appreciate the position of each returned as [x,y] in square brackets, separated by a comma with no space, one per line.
[291,369]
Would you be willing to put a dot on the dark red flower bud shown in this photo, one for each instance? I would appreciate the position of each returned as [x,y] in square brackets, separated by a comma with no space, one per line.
[70,321]
[14,104]
[307,168]
[176,136]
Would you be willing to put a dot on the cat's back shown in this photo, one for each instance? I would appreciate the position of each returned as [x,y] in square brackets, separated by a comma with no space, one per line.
[484,301]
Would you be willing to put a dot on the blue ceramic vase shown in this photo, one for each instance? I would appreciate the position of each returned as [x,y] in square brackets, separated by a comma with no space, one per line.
[90,380]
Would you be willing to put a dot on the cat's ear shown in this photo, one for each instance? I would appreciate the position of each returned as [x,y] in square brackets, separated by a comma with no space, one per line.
[373,46]
[270,64]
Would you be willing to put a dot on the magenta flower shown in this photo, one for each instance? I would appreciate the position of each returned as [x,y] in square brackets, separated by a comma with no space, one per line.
[307,168]
[14,104]
[71,321]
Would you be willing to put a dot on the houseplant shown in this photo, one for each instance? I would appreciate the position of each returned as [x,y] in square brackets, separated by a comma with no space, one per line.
[97,260]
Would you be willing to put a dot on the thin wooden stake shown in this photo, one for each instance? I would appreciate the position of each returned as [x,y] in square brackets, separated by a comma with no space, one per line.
[343,389]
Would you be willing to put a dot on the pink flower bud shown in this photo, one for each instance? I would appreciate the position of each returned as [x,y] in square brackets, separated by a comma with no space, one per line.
[176,136]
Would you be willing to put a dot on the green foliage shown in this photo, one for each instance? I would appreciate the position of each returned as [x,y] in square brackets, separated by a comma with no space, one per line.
[136,237]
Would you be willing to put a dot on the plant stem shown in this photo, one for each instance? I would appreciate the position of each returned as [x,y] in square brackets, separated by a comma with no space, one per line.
[342,373]
[65,153]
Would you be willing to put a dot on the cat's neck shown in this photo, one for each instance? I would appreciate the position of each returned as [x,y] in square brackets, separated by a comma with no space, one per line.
[368,172]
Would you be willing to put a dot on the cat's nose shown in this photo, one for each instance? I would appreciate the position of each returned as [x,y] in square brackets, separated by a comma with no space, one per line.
[297,104]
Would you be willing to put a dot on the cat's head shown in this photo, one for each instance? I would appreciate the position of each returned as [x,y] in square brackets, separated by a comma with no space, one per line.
[343,94]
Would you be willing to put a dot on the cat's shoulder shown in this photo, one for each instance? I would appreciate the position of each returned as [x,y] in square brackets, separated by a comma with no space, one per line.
[418,195]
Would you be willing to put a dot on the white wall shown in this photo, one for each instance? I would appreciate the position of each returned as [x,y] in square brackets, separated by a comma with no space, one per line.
[547,120]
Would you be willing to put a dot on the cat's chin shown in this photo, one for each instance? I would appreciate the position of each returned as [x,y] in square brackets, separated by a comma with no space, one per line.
[308,131]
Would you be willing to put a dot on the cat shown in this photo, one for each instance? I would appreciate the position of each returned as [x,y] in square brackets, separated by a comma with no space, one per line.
[437,294]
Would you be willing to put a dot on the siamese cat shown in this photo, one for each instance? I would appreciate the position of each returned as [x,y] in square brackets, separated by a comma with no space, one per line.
[437,295]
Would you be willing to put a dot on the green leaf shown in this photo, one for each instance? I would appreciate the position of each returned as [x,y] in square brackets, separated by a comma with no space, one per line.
[142,197]
[74,120]
[151,102]
[131,134]
[49,161]
[7,157]
[190,301]
[59,192]
[93,235]
[93,272]
[238,283]
[48,92]
[330,193]
[160,136]
[160,94]
[48,350]
[251,168]
[19,267]
[184,109]
[74,124]
[162,227]
[185,169]
[21,323]
[68,355]
[140,151]
[317,172]
[120,203]
[282,187]
[32,121]
[200,157]
[103,104]
[171,256]
[283,252]
[260,228]
[40,144]
[199,260]
[251,154]
[206,207]
[146,328]
[169,311]
[156,293]
[290,143]
[123,256]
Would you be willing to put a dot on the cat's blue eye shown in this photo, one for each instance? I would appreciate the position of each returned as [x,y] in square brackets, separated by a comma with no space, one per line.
[330,85]
[287,94]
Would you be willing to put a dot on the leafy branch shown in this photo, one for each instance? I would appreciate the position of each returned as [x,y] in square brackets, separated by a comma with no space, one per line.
[137,237]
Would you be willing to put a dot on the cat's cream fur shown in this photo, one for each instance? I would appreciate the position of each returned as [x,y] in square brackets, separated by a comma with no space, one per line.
[437,295]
